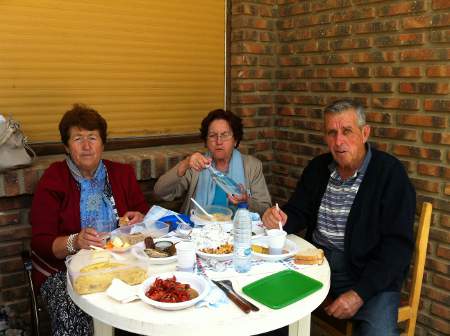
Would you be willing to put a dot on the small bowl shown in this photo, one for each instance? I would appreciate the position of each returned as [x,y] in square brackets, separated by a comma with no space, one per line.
[196,282]
[218,213]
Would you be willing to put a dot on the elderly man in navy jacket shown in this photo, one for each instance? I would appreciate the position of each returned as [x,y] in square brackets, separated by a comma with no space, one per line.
[358,205]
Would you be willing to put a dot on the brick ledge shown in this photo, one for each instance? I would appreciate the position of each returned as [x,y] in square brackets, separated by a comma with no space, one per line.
[149,163]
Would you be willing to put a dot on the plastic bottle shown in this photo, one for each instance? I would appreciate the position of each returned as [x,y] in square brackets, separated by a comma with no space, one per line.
[223,181]
[242,239]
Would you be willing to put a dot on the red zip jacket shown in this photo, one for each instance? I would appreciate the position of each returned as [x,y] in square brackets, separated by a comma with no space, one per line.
[56,210]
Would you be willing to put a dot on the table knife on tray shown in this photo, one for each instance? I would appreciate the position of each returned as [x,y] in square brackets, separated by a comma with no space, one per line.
[233,297]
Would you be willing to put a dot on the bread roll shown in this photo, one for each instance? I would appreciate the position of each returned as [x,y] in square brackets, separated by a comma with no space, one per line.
[310,256]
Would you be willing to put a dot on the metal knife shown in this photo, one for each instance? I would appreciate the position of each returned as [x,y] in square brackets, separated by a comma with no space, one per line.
[228,284]
[241,304]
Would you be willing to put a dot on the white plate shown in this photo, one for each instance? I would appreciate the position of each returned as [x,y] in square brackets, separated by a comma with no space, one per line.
[220,257]
[196,282]
[138,252]
[290,246]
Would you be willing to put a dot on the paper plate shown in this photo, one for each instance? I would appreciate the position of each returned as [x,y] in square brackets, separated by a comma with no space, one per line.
[290,247]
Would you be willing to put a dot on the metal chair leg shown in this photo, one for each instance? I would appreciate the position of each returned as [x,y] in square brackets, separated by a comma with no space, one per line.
[35,309]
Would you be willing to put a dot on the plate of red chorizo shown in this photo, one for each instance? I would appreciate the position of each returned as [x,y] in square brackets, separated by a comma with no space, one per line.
[173,290]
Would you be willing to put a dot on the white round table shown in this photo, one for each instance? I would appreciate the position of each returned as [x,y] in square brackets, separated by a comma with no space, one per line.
[227,319]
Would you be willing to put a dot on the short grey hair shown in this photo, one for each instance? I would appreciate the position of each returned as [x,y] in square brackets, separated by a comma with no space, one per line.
[343,105]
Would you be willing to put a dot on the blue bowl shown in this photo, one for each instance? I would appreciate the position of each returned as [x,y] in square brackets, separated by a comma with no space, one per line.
[173,221]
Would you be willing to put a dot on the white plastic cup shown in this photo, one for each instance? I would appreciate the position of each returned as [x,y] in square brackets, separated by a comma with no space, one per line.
[277,239]
[185,256]
[183,229]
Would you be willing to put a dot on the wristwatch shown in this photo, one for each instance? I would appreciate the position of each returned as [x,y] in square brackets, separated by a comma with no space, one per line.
[70,244]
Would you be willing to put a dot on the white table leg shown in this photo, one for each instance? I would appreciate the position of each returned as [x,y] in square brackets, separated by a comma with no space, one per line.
[102,329]
[301,327]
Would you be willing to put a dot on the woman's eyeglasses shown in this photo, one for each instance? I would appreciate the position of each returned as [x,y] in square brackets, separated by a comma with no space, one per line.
[225,136]
[89,138]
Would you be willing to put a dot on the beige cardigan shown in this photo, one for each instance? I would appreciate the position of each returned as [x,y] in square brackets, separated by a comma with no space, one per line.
[171,186]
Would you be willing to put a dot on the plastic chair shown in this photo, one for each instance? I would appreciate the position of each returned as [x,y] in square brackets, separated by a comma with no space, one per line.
[36,309]
[407,311]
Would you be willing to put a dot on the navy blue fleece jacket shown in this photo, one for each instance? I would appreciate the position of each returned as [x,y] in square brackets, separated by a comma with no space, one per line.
[379,234]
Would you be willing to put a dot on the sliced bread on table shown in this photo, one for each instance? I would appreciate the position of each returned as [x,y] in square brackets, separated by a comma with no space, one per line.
[311,256]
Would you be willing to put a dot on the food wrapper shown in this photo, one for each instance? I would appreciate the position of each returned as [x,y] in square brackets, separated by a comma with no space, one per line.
[133,234]
[93,271]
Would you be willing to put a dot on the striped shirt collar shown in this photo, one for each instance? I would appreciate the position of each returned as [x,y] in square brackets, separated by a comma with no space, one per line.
[362,169]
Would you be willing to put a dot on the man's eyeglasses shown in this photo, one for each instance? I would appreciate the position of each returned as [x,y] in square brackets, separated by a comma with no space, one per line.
[225,136]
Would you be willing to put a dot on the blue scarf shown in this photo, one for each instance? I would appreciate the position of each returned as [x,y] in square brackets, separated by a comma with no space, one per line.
[96,208]
[206,187]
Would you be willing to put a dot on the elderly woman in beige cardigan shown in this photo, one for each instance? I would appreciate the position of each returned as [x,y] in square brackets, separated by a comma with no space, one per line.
[221,132]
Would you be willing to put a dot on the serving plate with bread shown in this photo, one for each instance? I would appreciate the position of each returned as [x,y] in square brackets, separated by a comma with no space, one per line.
[260,249]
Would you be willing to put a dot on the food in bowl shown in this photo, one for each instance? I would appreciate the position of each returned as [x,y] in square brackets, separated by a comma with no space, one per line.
[195,281]
[218,213]
[116,242]
[149,243]
[170,291]
[221,249]
[153,253]
[161,249]
[134,238]
[216,217]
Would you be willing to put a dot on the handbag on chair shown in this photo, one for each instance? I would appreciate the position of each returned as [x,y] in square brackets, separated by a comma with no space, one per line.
[14,149]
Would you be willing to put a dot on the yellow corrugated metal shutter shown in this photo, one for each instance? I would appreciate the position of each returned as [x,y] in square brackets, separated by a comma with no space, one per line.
[149,67]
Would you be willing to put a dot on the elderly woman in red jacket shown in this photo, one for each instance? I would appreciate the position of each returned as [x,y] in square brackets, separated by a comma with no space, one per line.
[75,200]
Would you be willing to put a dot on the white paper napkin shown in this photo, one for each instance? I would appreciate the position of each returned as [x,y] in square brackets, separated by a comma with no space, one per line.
[122,292]
[214,299]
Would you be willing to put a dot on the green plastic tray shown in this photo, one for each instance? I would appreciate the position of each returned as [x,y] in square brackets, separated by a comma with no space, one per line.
[282,289]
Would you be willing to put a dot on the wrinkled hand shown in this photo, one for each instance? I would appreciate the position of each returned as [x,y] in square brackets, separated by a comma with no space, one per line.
[345,306]
[196,161]
[272,216]
[133,217]
[87,237]
[243,197]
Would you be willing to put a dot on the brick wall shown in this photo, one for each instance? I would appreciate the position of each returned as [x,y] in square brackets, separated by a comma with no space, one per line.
[290,58]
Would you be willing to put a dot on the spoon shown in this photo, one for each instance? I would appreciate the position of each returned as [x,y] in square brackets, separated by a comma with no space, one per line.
[279,222]
[180,219]
[201,208]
